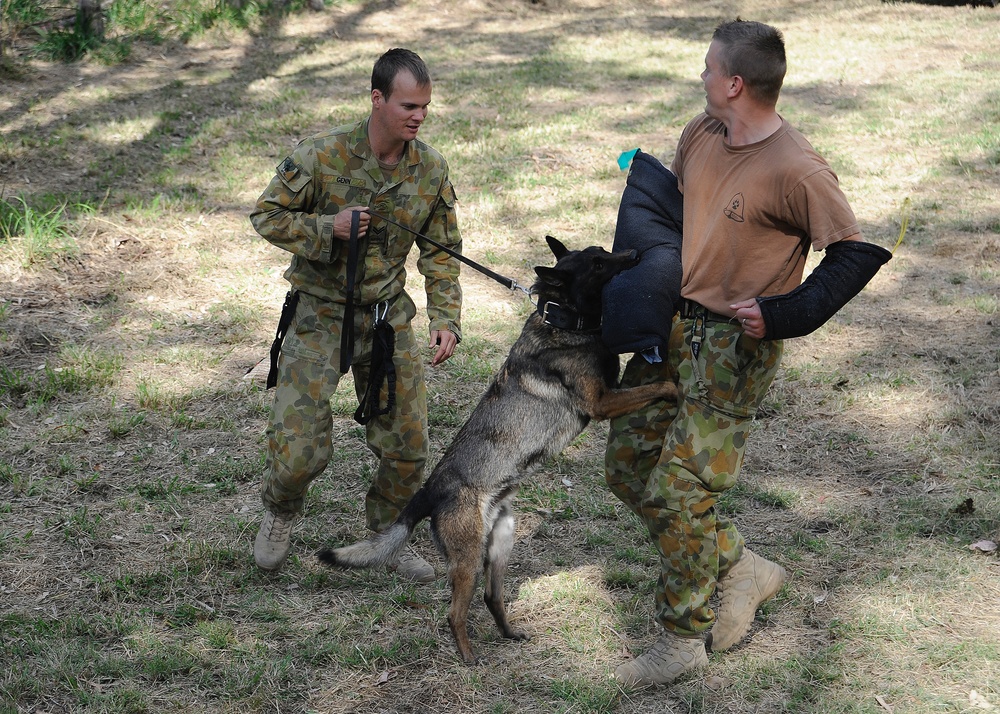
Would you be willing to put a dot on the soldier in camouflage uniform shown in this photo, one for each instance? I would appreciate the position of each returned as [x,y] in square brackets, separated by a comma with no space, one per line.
[756,197]
[376,165]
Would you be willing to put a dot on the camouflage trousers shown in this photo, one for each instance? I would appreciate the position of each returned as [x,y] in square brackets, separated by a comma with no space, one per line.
[300,427]
[669,463]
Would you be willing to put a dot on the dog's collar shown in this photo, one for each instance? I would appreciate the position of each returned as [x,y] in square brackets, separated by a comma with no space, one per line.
[566,318]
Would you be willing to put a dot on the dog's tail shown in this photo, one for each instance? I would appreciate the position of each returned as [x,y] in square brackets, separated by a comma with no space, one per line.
[382,548]
[379,550]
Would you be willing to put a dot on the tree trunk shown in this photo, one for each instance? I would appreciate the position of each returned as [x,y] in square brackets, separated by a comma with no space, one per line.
[90,19]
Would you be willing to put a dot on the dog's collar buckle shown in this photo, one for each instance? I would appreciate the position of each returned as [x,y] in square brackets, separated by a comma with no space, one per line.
[564,318]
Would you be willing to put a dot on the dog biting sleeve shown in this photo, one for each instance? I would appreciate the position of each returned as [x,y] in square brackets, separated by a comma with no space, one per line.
[843,272]
[639,303]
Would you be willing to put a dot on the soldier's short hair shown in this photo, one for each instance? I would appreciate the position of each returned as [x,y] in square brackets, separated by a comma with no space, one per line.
[392,63]
[755,52]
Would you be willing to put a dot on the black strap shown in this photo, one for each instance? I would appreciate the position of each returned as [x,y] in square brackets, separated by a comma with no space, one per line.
[383,370]
[347,333]
[287,313]
[510,283]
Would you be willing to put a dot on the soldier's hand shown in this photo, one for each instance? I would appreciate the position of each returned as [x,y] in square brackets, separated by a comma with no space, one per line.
[750,317]
[342,222]
[445,342]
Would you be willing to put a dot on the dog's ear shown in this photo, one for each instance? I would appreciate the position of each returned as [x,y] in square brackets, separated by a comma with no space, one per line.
[552,276]
[557,248]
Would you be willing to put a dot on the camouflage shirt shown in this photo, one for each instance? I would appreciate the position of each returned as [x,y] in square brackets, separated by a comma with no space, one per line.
[337,169]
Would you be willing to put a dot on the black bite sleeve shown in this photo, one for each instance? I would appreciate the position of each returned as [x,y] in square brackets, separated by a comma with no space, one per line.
[639,303]
[844,271]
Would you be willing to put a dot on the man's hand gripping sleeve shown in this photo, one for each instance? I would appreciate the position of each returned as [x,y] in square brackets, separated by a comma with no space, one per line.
[844,271]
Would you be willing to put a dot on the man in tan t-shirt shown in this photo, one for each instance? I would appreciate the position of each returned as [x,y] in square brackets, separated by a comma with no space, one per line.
[756,198]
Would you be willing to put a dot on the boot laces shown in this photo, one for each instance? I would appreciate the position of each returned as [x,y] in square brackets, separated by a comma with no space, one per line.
[408,555]
[659,651]
[278,527]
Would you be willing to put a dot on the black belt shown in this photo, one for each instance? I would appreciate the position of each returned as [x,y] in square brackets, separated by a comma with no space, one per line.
[691,310]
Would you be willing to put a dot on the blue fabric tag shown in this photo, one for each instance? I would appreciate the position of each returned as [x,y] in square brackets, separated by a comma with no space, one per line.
[626,158]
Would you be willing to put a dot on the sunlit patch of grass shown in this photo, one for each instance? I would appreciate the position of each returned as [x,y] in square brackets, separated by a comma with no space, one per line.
[150,395]
[77,370]
[40,234]
[986,303]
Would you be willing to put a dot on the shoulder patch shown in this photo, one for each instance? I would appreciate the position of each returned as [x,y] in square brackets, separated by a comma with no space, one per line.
[292,175]
[288,169]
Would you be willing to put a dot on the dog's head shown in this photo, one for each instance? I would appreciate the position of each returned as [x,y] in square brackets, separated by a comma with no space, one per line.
[578,275]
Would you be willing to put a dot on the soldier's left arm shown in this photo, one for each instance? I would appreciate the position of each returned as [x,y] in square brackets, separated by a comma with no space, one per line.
[441,271]
[844,271]
[847,266]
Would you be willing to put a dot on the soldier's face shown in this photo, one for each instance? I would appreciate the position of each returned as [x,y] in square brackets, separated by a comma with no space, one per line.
[402,113]
[716,82]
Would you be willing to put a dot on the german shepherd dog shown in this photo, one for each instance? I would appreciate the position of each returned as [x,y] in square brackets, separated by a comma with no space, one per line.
[557,377]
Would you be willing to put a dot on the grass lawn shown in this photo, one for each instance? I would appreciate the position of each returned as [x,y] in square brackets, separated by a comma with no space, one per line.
[134,296]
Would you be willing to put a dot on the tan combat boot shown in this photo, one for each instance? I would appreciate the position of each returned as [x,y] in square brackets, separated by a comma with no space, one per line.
[274,541]
[670,657]
[412,567]
[749,582]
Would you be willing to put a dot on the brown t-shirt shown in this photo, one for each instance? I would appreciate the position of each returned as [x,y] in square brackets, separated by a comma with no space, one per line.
[751,212]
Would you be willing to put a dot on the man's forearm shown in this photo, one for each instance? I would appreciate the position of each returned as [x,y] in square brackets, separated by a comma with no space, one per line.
[843,273]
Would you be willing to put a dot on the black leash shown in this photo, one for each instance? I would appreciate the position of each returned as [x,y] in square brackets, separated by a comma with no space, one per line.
[347,332]
[552,314]
[509,283]
[383,341]
[559,316]
[384,337]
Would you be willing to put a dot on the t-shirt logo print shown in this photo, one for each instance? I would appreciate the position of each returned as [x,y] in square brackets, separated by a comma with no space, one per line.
[734,211]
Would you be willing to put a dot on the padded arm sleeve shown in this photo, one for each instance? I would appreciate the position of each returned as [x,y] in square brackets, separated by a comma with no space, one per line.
[640,302]
[844,271]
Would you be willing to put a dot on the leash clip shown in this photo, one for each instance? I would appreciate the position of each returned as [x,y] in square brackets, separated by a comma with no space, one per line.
[697,335]
[385,311]
[514,285]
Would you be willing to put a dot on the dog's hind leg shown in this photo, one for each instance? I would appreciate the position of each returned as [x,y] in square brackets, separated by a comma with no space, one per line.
[498,548]
[459,535]
[463,572]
